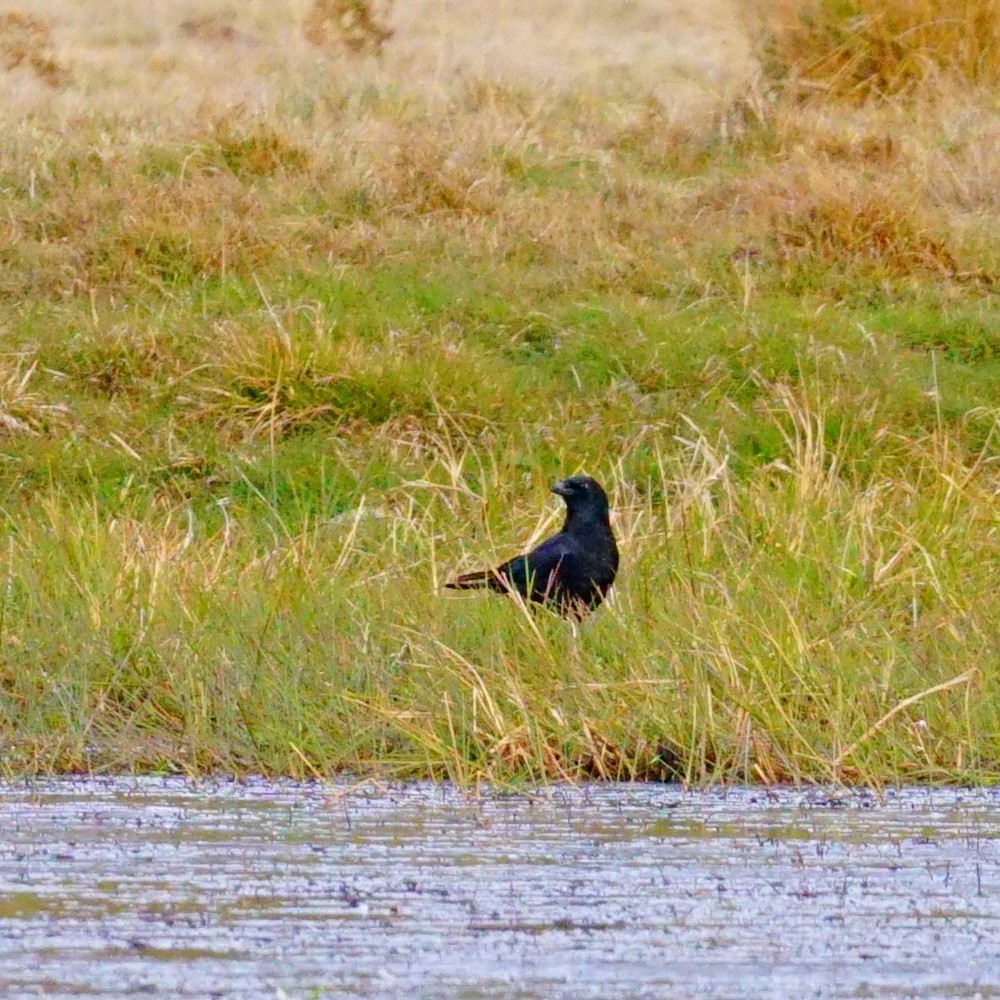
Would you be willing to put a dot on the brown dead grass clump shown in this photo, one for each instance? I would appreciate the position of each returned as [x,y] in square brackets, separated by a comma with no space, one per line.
[107,222]
[172,234]
[258,150]
[26,43]
[216,28]
[356,25]
[815,215]
[858,229]
[860,49]
[424,176]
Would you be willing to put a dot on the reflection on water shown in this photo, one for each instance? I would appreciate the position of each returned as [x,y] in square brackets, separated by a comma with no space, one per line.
[157,887]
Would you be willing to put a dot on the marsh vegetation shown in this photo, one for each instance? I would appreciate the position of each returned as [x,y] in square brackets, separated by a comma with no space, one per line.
[292,331]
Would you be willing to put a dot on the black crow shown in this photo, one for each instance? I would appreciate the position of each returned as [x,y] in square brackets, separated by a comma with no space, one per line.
[570,572]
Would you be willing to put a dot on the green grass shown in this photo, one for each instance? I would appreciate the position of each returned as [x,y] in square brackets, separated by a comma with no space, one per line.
[265,385]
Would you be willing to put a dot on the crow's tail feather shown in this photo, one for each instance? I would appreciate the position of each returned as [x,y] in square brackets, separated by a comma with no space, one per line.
[474,581]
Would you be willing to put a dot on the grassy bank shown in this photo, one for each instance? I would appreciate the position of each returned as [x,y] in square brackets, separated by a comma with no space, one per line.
[269,377]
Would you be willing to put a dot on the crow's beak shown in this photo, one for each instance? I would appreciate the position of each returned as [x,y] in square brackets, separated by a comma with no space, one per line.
[561,489]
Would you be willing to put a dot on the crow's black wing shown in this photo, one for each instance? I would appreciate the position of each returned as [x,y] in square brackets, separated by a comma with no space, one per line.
[535,575]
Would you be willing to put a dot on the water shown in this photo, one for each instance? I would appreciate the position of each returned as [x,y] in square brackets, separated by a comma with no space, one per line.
[162,888]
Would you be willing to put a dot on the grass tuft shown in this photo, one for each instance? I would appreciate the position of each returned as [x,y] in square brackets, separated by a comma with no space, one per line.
[357,25]
[860,49]
[26,43]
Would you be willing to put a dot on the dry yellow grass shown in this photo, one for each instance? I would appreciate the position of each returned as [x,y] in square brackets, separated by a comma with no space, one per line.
[177,58]
[862,49]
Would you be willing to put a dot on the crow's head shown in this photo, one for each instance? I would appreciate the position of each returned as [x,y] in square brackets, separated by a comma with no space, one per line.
[583,495]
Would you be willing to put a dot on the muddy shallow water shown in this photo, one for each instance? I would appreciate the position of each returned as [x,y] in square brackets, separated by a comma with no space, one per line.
[149,887]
